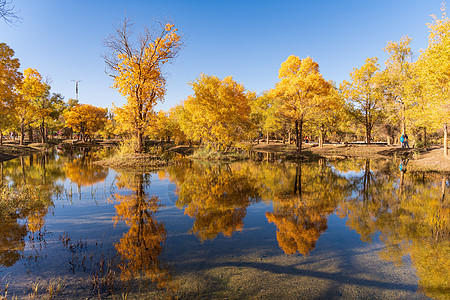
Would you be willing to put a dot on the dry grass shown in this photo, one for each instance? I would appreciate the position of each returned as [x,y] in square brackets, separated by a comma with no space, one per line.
[135,161]
[431,161]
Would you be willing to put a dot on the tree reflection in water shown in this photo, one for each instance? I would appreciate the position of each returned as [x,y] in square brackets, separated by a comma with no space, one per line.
[26,191]
[140,247]
[216,197]
[83,172]
[411,212]
[302,209]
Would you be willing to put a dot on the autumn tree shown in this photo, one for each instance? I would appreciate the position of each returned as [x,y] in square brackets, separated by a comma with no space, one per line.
[10,77]
[86,119]
[363,95]
[31,91]
[163,126]
[46,110]
[136,66]
[329,114]
[219,111]
[300,89]
[432,66]
[264,114]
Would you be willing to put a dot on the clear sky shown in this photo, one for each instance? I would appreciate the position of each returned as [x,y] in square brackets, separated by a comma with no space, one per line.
[245,39]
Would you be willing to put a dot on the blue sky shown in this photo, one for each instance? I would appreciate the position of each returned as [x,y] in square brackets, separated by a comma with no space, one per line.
[245,39]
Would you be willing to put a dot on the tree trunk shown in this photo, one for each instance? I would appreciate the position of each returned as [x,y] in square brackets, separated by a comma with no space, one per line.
[425,137]
[296,133]
[30,133]
[22,133]
[321,137]
[445,139]
[368,134]
[1,137]
[44,132]
[140,139]
[289,137]
[267,138]
[403,120]
[301,136]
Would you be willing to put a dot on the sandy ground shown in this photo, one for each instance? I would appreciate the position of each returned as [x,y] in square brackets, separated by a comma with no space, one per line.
[431,159]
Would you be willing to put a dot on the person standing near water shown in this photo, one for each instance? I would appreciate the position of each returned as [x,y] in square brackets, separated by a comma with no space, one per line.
[402,140]
[405,141]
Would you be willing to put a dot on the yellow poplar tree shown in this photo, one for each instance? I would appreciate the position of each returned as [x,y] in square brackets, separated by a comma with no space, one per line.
[10,77]
[136,67]
[300,89]
[363,95]
[219,111]
[433,67]
[395,80]
[32,89]
[265,115]
[86,119]
[329,113]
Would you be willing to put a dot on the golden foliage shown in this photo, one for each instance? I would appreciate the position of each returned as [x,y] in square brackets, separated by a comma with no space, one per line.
[140,247]
[363,95]
[137,72]
[10,77]
[218,113]
[301,90]
[86,119]
[217,198]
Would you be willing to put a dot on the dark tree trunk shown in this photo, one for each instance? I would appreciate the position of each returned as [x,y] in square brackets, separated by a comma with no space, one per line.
[445,139]
[140,144]
[321,136]
[425,137]
[368,134]
[30,133]
[22,133]
[300,139]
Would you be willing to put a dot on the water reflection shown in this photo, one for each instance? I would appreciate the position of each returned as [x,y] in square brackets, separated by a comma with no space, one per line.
[141,246]
[82,171]
[216,197]
[300,213]
[411,214]
[408,212]
[26,191]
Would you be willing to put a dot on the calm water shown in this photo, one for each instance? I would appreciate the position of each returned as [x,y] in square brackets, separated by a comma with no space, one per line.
[328,229]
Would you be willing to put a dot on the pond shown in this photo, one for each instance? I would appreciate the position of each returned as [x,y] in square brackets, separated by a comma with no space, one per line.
[333,228]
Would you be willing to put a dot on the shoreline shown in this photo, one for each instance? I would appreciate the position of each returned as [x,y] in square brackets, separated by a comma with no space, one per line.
[421,160]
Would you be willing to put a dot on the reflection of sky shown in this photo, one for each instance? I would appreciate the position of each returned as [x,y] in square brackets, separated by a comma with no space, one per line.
[339,258]
[348,174]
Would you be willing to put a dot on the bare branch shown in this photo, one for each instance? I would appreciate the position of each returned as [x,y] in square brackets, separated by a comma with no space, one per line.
[8,12]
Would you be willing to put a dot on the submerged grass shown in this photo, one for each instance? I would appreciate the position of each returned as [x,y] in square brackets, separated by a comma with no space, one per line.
[22,200]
